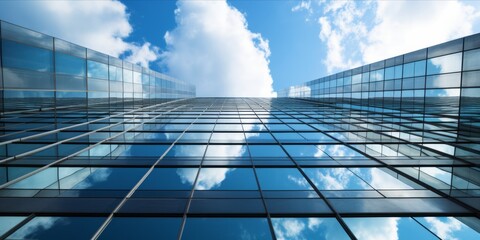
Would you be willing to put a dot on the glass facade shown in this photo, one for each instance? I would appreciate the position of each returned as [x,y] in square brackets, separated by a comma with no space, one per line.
[233,168]
[40,71]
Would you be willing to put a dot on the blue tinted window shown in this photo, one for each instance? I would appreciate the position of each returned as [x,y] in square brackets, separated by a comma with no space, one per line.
[58,228]
[187,151]
[308,228]
[380,178]
[335,179]
[7,223]
[226,228]
[408,70]
[457,229]
[471,60]
[281,179]
[398,228]
[445,64]
[142,228]
[115,73]
[170,179]
[227,151]
[226,179]
[303,151]
[266,151]
[338,151]
[66,64]
[389,73]
[420,68]
[398,71]
[137,150]
[17,55]
[97,70]
[259,137]
[100,178]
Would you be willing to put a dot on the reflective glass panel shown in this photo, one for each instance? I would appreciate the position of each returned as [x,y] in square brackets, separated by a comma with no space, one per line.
[281,179]
[449,227]
[226,228]
[66,64]
[7,223]
[308,228]
[16,55]
[266,151]
[142,228]
[445,64]
[388,228]
[170,179]
[335,179]
[378,178]
[227,151]
[226,179]
[58,228]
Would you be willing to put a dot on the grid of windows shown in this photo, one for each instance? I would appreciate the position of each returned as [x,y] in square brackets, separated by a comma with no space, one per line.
[92,147]
[440,80]
[234,168]
[40,71]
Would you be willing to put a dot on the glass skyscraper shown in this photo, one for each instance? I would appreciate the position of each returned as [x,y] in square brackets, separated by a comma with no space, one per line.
[93,147]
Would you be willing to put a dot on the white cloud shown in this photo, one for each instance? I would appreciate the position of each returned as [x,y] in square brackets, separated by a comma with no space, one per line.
[210,178]
[299,91]
[213,48]
[35,225]
[98,25]
[374,228]
[314,223]
[357,33]
[300,181]
[339,26]
[407,26]
[288,228]
[444,229]
[303,5]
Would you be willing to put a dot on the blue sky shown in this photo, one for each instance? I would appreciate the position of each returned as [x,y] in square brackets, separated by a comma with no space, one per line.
[245,47]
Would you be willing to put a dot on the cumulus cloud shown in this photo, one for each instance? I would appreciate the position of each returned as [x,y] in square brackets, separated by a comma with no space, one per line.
[212,47]
[363,32]
[303,5]
[288,228]
[444,229]
[374,228]
[99,25]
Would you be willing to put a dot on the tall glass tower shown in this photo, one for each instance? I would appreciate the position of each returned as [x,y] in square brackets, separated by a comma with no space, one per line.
[93,147]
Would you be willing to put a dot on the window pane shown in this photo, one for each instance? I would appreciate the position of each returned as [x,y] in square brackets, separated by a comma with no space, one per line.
[170,179]
[379,179]
[335,179]
[142,228]
[444,81]
[226,228]
[445,64]
[457,229]
[66,64]
[58,228]
[100,178]
[281,179]
[228,137]
[308,228]
[266,151]
[7,223]
[226,179]
[97,70]
[21,56]
[471,60]
[388,228]
[227,151]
